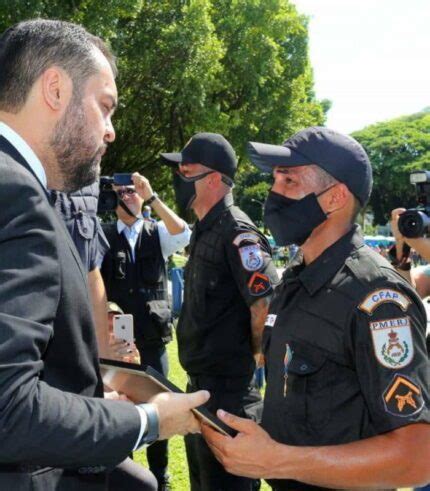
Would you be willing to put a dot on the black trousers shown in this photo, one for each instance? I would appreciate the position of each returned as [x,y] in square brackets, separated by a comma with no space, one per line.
[157,453]
[132,477]
[206,473]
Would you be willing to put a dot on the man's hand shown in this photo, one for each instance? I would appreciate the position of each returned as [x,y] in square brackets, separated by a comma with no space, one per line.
[174,412]
[142,186]
[400,239]
[248,453]
[113,395]
[259,360]
[122,351]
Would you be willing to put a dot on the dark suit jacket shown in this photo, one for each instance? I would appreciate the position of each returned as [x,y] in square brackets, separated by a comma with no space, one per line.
[50,413]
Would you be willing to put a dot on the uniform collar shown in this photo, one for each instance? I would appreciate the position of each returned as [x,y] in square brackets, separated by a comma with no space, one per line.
[319,272]
[222,205]
[137,225]
[25,150]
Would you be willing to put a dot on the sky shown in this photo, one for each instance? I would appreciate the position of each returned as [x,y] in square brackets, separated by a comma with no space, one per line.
[371,58]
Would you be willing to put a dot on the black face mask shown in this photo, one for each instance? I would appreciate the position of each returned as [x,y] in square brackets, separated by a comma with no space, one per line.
[291,221]
[185,189]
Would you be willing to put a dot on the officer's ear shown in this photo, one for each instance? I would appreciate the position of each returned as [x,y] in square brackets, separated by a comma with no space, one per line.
[215,179]
[336,198]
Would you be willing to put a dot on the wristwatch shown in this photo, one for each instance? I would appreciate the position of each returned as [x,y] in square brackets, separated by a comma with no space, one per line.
[152,431]
[151,199]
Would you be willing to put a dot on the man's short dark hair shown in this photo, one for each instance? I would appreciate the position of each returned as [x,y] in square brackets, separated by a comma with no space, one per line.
[29,48]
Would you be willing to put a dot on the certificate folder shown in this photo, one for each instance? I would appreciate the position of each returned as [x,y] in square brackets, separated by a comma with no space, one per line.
[139,384]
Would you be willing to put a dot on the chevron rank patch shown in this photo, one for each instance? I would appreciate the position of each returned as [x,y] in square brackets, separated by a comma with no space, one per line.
[392,342]
[251,257]
[259,284]
[384,295]
[403,397]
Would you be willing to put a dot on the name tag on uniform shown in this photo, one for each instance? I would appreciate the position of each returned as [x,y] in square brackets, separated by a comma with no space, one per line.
[270,320]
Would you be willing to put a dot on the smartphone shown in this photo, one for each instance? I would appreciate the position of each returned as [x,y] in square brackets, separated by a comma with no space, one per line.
[123,327]
[122,179]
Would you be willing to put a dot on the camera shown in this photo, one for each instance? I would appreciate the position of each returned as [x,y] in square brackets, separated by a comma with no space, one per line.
[108,198]
[415,222]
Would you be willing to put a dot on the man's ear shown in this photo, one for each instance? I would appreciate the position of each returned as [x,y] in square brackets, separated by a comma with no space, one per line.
[57,88]
[337,198]
[215,179]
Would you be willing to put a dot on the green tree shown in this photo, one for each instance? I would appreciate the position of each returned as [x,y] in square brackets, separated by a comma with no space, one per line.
[396,148]
[238,67]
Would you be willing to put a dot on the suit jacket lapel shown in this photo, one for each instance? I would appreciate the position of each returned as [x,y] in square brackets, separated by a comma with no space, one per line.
[9,149]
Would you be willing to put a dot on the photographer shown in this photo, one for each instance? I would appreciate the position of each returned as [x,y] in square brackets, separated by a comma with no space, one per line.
[135,274]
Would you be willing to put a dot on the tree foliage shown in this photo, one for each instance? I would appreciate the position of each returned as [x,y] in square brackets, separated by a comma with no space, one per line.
[238,67]
[396,148]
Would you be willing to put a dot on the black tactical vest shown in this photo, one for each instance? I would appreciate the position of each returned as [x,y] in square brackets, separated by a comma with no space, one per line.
[133,284]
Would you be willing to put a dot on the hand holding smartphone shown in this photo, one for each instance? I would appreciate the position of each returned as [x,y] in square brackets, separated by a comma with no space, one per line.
[123,327]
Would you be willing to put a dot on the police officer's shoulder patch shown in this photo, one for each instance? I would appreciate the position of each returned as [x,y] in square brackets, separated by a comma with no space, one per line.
[259,284]
[251,257]
[403,397]
[246,237]
[392,342]
[384,295]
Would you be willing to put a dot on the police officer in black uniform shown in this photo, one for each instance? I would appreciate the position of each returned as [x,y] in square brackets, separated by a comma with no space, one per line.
[135,275]
[79,212]
[228,280]
[347,399]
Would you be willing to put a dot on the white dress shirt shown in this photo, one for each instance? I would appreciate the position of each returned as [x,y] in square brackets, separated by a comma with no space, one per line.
[169,243]
[25,150]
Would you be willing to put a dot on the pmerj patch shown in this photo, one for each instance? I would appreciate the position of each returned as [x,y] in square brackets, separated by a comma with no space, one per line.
[384,295]
[251,257]
[392,342]
[403,397]
[245,236]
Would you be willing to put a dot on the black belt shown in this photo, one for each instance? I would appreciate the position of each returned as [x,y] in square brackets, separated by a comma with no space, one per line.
[29,469]
[210,382]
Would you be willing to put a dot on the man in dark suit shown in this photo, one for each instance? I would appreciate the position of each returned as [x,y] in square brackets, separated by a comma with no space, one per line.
[57,96]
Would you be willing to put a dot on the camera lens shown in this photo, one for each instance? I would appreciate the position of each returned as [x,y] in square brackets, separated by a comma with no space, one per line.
[413,223]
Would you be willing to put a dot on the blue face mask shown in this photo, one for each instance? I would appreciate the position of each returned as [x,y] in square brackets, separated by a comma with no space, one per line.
[291,221]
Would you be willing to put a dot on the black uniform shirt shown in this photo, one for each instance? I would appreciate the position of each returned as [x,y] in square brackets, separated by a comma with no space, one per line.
[230,267]
[345,347]
[79,212]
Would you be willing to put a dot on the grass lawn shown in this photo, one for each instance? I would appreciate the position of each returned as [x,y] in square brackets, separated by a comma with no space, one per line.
[177,460]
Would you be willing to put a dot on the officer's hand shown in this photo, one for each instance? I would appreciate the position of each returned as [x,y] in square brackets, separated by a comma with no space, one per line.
[174,412]
[400,239]
[248,453]
[259,360]
[142,186]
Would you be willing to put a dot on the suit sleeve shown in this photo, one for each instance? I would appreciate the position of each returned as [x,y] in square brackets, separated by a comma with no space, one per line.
[40,424]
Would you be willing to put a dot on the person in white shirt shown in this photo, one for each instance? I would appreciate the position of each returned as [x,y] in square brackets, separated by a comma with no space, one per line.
[134,271]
